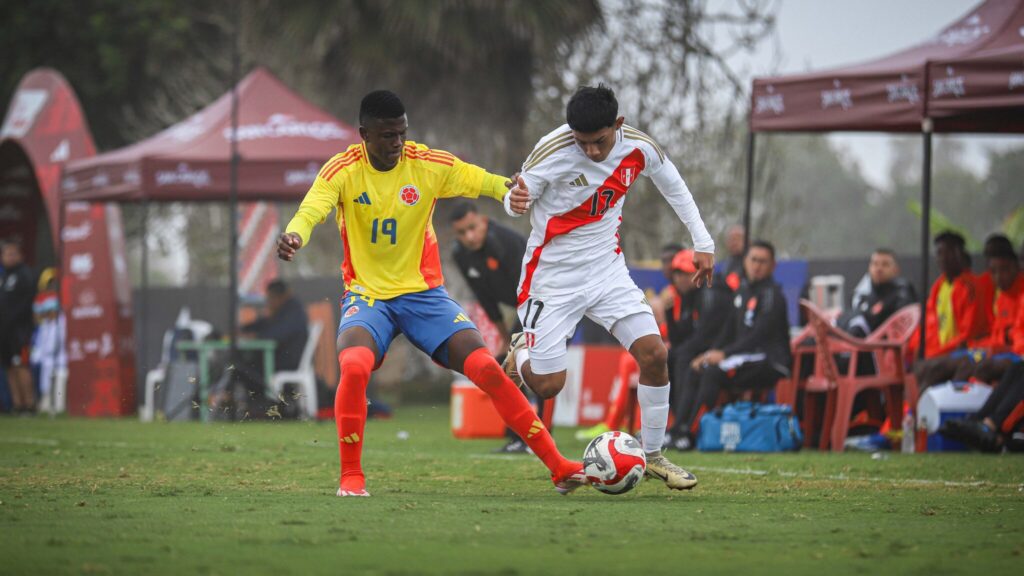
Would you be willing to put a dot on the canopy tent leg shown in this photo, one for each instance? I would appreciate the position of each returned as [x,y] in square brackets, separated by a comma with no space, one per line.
[750,190]
[233,203]
[143,340]
[926,212]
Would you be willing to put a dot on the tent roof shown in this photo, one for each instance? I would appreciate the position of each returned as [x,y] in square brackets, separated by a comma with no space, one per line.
[892,93]
[283,140]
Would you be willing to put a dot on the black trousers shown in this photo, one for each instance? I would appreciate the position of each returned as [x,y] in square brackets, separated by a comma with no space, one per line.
[757,375]
[1005,397]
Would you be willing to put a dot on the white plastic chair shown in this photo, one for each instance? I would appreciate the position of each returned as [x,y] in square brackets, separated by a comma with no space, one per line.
[200,330]
[304,377]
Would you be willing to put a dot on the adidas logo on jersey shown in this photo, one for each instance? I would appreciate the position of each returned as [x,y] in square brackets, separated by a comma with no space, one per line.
[364,198]
[460,318]
[580,180]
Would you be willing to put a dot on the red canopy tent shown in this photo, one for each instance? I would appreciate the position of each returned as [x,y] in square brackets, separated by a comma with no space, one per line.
[282,142]
[967,78]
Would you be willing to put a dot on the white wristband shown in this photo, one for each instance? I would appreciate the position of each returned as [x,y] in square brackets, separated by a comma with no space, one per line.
[508,207]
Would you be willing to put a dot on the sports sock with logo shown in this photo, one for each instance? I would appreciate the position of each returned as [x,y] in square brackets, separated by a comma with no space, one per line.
[350,413]
[483,370]
[653,402]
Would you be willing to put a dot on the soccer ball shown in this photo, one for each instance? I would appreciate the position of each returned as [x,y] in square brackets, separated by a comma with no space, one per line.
[614,462]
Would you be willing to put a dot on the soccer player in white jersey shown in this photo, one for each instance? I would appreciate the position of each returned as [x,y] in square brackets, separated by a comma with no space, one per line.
[575,182]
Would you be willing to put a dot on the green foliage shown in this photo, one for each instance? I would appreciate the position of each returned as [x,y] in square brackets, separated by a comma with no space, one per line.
[119,56]
[939,223]
[109,496]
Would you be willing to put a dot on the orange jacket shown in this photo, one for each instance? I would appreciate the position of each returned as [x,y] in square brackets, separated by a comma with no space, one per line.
[986,291]
[1017,332]
[1004,319]
[967,313]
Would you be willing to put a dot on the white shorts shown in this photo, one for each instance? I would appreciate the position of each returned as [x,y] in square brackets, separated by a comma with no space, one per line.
[617,304]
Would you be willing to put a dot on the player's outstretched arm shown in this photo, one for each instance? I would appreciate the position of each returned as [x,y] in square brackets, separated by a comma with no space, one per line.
[671,185]
[288,243]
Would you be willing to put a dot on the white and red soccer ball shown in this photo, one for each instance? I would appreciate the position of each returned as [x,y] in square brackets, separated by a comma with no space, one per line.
[614,462]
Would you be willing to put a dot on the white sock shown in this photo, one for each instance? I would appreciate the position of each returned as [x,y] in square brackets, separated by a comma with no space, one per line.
[521,357]
[654,414]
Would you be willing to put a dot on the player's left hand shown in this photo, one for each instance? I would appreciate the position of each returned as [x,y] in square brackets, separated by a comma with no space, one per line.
[519,196]
[705,263]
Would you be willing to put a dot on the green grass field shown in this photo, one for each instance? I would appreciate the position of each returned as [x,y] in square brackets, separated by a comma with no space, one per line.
[105,497]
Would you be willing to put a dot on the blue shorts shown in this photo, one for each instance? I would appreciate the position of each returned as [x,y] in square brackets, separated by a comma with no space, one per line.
[428,319]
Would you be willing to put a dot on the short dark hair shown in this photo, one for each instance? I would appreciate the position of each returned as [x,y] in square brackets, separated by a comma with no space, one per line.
[762,244]
[277,287]
[885,252]
[460,210]
[380,105]
[1001,251]
[591,109]
[952,239]
[997,245]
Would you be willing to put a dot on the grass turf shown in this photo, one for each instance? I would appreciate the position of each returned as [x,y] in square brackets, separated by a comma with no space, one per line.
[99,497]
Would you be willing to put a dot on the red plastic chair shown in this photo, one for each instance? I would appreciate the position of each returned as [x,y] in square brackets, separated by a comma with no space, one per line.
[887,346]
[802,345]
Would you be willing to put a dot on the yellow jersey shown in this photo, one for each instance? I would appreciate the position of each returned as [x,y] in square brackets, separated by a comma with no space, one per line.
[385,217]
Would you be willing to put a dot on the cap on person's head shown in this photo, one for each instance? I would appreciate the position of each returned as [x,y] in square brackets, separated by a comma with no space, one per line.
[45,277]
[683,261]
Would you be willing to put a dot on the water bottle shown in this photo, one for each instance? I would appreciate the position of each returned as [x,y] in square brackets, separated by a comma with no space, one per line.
[909,431]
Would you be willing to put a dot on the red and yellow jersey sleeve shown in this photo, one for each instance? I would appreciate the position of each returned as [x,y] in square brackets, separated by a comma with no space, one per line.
[384,218]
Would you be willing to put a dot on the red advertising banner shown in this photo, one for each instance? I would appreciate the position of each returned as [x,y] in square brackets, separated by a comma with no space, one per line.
[45,122]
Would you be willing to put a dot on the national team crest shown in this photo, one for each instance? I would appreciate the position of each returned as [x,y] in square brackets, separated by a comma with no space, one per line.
[627,175]
[352,311]
[409,195]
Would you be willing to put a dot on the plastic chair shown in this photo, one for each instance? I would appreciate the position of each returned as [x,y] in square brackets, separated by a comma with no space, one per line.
[887,346]
[304,377]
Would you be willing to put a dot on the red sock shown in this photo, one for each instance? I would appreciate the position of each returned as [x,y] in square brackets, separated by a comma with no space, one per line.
[350,413]
[483,370]
[617,411]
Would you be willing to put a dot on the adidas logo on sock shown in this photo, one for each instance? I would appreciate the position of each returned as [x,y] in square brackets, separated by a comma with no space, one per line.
[580,180]
[364,198]
[536,427]
[350,439]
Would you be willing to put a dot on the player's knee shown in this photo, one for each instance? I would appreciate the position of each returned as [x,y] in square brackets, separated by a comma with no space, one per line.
[356,363]
[549,385]
[652,358]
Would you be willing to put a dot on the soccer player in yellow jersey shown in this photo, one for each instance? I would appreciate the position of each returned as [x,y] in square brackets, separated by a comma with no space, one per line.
[385,190]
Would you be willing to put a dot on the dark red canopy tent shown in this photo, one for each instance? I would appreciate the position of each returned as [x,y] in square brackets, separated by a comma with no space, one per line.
[282,142]
[968,78]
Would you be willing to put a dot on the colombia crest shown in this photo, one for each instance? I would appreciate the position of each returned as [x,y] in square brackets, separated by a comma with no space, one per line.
[409,195]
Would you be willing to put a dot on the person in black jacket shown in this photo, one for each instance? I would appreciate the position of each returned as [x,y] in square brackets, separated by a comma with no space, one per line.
[888,293]
[287,325]
[490,256]
[695,319]
[17,290]
[753,350]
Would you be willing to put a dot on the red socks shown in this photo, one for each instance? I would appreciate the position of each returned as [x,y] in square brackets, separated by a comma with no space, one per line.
[350,413]
[617,412]
[483,370]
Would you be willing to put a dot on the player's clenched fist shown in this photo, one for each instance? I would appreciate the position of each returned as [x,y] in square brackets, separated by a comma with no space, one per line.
[287,244]
[519,196]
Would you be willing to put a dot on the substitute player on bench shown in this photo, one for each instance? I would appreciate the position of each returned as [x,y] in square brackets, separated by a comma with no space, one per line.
[576,180]
[385,190]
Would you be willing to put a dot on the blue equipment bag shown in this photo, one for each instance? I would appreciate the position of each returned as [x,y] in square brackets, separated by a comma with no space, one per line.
[750,427]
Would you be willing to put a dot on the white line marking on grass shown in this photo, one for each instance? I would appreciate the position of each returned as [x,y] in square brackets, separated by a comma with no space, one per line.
[32,441]
[845,478]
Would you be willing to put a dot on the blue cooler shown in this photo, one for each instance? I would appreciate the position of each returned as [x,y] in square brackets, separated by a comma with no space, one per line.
[949,401]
